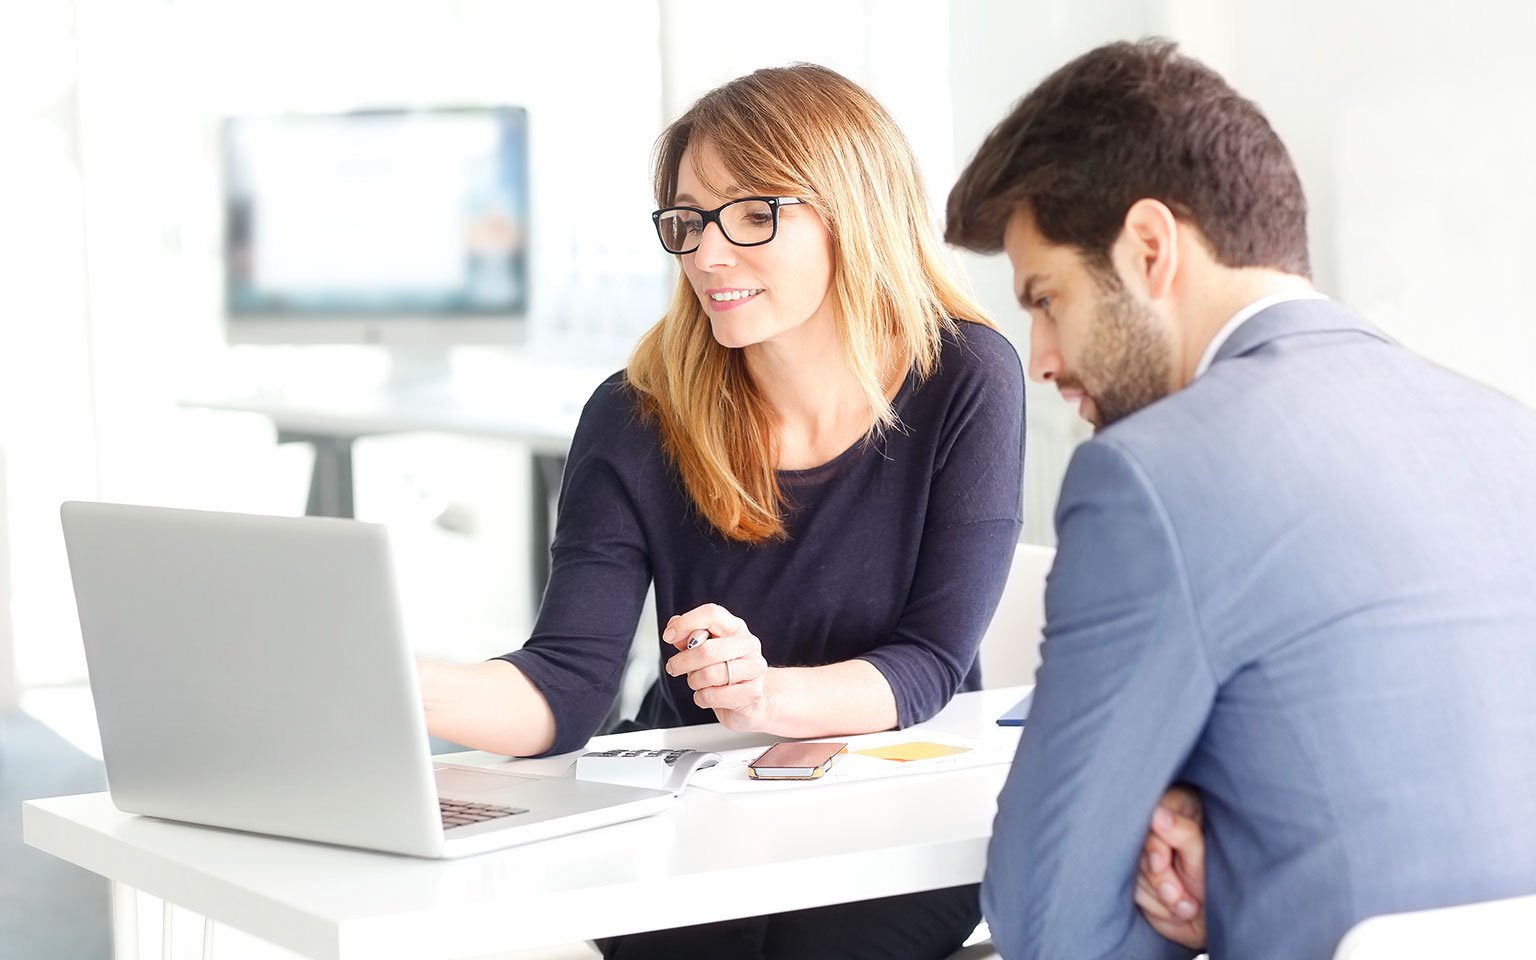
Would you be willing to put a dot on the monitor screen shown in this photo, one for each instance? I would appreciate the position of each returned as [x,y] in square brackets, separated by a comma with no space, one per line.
[406,214]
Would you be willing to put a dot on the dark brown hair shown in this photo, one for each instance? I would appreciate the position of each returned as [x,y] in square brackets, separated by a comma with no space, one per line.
[1129,121]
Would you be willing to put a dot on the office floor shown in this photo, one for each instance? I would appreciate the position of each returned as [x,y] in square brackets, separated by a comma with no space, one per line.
[48,909]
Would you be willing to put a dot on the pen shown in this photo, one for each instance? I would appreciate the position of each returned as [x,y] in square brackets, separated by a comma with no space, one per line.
[696,637]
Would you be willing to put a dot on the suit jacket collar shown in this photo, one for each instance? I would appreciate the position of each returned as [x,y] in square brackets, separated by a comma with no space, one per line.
[1291,319]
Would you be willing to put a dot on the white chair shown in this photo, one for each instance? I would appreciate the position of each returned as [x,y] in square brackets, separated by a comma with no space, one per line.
[1010,649]
[1491,930]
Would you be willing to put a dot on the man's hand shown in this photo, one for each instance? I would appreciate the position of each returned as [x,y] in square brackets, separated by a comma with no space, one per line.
[1170,886]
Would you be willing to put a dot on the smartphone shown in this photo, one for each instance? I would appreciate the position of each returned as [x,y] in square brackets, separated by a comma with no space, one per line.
[795,761]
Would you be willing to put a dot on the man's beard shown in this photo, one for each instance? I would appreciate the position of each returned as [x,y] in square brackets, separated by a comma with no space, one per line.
[1127,361]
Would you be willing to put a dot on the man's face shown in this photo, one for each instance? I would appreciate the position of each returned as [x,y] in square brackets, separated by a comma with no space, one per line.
[1105,350]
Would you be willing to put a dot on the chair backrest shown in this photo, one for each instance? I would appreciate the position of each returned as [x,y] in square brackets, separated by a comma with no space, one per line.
[1010,649]
[1491,930]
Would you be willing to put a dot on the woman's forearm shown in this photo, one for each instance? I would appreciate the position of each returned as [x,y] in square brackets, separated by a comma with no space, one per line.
[838,699]
[490,706]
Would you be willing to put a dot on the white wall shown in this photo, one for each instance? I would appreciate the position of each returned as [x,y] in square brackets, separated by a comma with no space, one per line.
[1411,126]
[1410,123]
[895,49]
[109,109]
[46,391]
[119,300]
[998,51]
[8,690]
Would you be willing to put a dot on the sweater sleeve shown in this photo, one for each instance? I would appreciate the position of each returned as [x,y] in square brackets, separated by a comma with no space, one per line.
[599,573]
[974,516]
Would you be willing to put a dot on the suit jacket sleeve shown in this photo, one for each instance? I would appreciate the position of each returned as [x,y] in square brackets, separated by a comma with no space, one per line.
[1124,691]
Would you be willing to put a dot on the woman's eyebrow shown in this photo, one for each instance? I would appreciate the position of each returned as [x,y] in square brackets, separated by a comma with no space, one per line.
[731,191]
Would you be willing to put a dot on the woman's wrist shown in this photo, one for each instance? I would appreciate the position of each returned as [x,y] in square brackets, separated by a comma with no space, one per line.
[838,699]
[429,679]
[775,691]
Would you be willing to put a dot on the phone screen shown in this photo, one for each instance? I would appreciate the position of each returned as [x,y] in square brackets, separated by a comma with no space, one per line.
[804,761]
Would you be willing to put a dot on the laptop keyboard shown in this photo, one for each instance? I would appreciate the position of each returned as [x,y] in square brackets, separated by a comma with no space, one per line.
[462,813]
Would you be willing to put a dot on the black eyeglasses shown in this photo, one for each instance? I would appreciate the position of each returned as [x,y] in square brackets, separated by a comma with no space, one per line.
[748,222]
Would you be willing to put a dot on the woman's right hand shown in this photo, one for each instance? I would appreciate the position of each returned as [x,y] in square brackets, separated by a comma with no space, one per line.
[490,706]
[1170,883]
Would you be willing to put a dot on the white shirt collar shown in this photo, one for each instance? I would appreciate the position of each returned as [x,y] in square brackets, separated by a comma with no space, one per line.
[1228,328]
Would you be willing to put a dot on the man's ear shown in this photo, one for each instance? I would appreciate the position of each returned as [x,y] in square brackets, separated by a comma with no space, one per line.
[1147,251]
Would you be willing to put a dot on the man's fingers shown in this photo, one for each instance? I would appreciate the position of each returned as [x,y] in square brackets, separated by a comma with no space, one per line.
[1184,836]
[1160,881]
[1171,892]
[1178,831]
[1150,905]
[1170,881]
[1157,854]
[1174,923]
[1177,823]
[1184,801]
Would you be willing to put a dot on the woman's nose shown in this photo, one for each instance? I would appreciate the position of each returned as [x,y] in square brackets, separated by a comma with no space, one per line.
[714,250]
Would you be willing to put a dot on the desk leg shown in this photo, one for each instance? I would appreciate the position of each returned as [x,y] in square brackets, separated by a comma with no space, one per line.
[548,469]
[330,483]
[125,922]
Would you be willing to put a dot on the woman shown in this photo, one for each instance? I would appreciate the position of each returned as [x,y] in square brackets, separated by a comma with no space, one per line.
[816,455]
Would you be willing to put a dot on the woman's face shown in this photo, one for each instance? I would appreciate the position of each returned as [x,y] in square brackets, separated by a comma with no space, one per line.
[754,294]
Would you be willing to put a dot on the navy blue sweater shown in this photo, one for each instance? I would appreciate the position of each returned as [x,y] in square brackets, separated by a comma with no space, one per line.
[897,552]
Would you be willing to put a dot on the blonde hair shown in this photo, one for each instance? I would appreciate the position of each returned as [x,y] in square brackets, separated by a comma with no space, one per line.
[800,131]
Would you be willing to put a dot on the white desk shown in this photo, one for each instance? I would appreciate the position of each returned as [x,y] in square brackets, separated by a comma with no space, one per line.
[524,400]
[712,857]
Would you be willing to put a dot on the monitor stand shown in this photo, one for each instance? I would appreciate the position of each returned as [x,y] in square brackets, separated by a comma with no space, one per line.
[415,366]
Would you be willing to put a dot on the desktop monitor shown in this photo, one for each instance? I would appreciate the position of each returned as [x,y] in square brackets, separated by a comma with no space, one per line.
[407,228]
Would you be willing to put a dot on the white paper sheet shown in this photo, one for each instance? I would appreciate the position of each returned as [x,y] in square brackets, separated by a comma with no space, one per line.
[730,776]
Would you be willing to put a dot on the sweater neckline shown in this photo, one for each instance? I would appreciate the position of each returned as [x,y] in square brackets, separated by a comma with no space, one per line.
[818,472]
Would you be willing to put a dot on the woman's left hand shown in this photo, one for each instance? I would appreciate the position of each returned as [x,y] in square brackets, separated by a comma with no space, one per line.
[726,671]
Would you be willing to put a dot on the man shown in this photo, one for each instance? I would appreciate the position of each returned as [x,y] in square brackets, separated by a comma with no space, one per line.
[1296,566]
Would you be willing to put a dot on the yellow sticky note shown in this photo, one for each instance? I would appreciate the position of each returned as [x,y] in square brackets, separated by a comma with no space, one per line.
[916,750]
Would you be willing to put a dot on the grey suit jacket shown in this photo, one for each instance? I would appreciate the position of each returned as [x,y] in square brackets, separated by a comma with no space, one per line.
[1305,584]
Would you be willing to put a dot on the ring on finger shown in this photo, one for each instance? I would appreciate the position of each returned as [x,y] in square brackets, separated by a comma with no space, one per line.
[728,680]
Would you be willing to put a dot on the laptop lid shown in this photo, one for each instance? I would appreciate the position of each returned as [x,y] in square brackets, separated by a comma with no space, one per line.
[252,673]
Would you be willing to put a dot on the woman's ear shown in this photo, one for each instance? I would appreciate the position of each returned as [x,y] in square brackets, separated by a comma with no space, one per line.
[1147,250]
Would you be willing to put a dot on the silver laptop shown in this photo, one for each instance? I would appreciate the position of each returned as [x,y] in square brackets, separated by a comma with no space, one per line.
[252,673]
